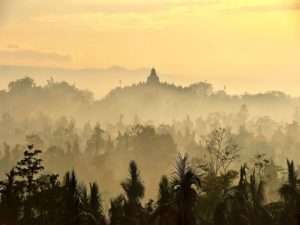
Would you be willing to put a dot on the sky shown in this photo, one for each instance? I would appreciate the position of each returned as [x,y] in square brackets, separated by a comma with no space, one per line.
[245,45]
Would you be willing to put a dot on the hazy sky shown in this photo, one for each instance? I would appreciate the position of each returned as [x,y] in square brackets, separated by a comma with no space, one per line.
[244,44]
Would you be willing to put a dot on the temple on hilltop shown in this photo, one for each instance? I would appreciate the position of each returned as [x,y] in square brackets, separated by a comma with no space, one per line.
[153,78]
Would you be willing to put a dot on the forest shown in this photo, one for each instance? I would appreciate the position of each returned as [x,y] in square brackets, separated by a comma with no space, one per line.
[158,101]
[217,159]
[211,193]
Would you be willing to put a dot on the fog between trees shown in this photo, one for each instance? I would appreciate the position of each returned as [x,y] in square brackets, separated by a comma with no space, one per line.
[150,123]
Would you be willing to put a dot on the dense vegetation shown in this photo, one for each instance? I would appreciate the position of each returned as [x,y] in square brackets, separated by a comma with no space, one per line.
[214,160]
[207,193]
[160,102]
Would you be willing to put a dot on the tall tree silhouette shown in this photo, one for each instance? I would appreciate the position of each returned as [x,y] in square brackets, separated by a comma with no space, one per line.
[165,212]
[134,192]
[95,204]
[96,142]
[290,193]
[28,170]
[10,200]
[185,184]
[71,199]
[116,211]
[244,203]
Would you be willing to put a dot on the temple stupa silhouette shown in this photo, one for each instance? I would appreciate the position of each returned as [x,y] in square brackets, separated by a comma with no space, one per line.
[153,78]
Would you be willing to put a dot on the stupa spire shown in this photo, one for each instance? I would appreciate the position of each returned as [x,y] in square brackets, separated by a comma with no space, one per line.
[153,77]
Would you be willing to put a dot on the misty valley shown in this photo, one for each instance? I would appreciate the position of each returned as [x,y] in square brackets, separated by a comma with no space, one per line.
[150,153]
[149,112]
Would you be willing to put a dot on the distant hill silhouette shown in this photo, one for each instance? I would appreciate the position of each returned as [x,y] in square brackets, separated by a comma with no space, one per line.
[162,101]
[99,80]
[151,100]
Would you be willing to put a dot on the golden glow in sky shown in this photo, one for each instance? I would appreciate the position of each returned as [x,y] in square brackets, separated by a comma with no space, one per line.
[227,41]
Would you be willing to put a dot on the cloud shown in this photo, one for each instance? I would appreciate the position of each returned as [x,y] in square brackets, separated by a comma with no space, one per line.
[143,7]
[18,12]
[15,53]
[121,8]
[5,6]
[267,8]
[33,8]
[13,46]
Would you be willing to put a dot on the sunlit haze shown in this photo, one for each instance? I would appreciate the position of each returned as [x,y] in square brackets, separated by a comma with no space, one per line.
[244,45]
[149,112]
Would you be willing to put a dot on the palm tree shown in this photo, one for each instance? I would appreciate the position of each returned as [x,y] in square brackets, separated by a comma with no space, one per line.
[165,212]
[134,192]
[290,193]
[185,184]
[71,200]
[133,186]
[259,213]
[116,211]
[244,203]
[165,197]
[95,204]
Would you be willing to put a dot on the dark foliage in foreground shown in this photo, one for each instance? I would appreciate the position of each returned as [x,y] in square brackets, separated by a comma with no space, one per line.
[190,196]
